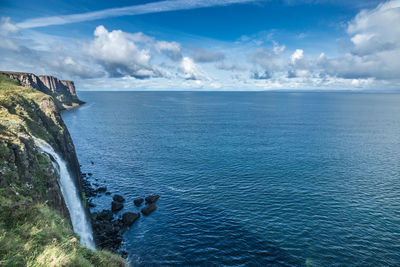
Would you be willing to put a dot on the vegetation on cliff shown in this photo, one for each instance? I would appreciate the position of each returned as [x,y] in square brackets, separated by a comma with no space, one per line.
[35,229]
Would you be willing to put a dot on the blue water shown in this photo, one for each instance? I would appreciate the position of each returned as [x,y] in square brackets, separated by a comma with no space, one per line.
[303,179]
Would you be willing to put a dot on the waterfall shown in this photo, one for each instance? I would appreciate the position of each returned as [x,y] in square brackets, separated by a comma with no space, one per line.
[69,191]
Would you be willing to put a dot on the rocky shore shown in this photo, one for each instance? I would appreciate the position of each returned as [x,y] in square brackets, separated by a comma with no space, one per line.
[109,225]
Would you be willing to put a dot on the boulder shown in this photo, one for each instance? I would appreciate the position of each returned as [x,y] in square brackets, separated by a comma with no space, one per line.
[118,198]
[116,206]
[101,189]
[128,218]
[149,209]
[152,199]
[138,202]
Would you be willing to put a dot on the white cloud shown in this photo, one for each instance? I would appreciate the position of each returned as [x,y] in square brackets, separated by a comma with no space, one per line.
[154,7]
[6,27]
[117,52]
[278,49]
[171,49]
[299,65]
[190,69]
[375,36]
[297,56]
[267,60]
[205,56]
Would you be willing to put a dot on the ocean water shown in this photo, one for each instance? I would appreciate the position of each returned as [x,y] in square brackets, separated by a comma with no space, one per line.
[258,178]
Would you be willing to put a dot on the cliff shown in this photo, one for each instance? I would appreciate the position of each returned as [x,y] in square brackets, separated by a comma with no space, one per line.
[34,222]
[63,92]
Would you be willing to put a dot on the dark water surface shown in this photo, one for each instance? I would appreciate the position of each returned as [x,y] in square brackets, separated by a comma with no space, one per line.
[308,179]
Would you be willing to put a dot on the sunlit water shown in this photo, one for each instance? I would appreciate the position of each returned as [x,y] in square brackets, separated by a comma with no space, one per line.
[77,213]
[249,178]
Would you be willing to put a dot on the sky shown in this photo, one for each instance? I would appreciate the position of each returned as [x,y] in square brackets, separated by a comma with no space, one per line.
[238,45]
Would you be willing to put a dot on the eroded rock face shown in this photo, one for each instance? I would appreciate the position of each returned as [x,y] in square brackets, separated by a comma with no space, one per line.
[71,87]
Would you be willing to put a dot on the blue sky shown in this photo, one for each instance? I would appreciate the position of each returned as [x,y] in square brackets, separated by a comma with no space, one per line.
[206,45]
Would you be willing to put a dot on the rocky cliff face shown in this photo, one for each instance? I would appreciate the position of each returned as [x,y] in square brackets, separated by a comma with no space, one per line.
[34,222]
[24,115]
[63,91]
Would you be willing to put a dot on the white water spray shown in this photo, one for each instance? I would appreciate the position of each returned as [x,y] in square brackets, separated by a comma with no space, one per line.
[80,223]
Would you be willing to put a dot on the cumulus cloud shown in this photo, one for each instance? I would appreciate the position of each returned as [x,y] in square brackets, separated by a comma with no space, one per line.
[299,65]
[170,49]
[205,56]
[190,69]
[375,39]
[268,60]
[118,53]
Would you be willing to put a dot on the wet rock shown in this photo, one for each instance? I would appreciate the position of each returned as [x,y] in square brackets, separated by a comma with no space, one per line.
[91,205]
[124,254]
[116,206]
[149,209]
[108,193]
[105,215]
[128,218]
[90,174]
[101,189]
[118,198]
[138,202]
[152,199]
[92,162]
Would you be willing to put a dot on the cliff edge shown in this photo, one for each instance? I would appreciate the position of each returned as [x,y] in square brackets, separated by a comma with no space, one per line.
[62,91]
[35,228]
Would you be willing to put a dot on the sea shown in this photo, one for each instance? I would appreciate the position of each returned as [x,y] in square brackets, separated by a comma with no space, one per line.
[248,178]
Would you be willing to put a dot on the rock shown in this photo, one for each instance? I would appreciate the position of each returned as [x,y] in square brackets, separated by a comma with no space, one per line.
[91,205]
[124,254]
[149,209]
[101,189]
[118,198]
[152,199]
[138,202]
[128,218]
[108,193]
[90,174]
[92,162]
[116,206]
[105,215]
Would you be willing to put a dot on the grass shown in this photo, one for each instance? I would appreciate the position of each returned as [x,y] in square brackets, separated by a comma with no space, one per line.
[32,231]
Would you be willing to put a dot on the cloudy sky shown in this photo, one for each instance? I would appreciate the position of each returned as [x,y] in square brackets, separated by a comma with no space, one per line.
[206,44]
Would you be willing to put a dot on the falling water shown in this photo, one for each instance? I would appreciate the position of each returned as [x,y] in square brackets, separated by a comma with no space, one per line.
[80,223]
